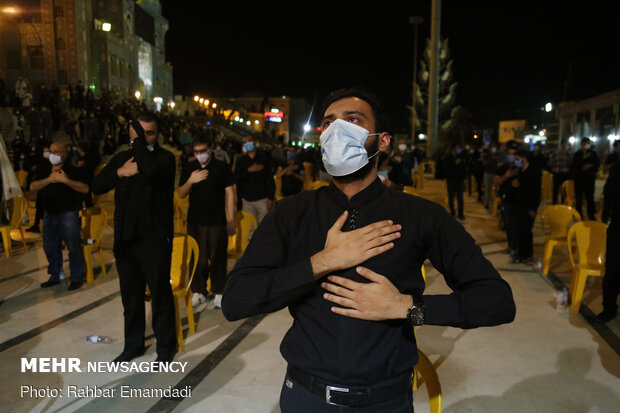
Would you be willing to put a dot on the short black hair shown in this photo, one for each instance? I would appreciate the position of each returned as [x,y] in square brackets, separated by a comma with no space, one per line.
[585,140]
[149,117]
[363,93]
[202,139]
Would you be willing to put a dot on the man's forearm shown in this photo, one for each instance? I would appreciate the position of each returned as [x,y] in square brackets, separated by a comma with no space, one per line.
[77,186]
[184,189]
[40,184]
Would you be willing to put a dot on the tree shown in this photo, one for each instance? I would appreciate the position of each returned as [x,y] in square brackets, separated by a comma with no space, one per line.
[447,91]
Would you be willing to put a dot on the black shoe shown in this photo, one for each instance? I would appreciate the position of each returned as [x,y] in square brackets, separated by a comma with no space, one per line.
[166,357]
[50,283]
[74,285]
[35,229]
[606,316]
[128,356]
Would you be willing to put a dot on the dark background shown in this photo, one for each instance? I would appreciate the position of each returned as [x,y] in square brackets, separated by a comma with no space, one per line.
[510,58]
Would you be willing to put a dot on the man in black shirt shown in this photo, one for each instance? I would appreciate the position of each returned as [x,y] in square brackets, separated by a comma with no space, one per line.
[527,184]
[455,175]
[209,183]
[291,175]
[254,177]
[346,260]
[611,280]
[585,167]
[61,188]
[143,179]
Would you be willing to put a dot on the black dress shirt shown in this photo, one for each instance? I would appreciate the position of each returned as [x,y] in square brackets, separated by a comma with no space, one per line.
[143,202]
[275,272]
[581,159]
[528,192]
[253,186]
[206,198]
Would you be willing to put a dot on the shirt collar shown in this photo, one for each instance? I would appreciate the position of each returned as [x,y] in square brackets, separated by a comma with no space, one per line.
[365,196]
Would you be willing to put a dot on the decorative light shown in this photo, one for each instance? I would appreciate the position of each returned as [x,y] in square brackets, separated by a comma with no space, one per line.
[307,128]
[137,94]
[11,10]
[214,105]
[237,118]
[541,133]
[196,98]
[256,122]
[248,123]
[106,27]
[201,100]
[548,107]
[571,140]
[172,105]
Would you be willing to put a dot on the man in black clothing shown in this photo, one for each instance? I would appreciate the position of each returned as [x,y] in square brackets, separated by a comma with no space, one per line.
[527,184]
[455,179]
[209,183]
[612,159]
[143,179]
[346,260]
[585,167]
[254,177]
[60,188]
[291,175]
[611,280]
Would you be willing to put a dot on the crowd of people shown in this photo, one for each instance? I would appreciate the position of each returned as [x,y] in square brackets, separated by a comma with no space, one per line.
[295,246]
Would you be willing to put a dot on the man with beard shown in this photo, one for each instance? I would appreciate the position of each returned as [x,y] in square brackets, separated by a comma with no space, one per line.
[346,261]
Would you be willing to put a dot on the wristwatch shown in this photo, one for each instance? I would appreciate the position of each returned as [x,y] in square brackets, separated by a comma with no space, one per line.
[416,313]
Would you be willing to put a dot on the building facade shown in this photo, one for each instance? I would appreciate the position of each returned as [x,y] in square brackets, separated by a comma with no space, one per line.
[116,45]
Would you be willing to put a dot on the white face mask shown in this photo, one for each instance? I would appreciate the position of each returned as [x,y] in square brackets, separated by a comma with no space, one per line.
[202,157]
[55,159]
[342,147]
[402,147]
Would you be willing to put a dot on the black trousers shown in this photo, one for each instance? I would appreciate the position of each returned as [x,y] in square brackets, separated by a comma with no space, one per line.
[522,225]
[140,263]
[585,187]
[611,281]
[212,258]
[456,189]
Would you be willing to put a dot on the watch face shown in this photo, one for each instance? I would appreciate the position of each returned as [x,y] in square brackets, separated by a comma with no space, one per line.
[416,316]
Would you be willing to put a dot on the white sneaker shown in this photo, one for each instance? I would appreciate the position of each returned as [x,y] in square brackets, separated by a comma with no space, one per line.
[217,302]
[198,299]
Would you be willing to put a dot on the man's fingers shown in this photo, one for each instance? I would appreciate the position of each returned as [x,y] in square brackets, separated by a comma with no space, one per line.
[339,291]
[376,225]
[375,242]
[345,302]
[343,282]
[348,312]
[373,252]
[340,221]
[370,274]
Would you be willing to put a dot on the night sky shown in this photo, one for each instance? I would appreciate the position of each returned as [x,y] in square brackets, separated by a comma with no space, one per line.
[509,57]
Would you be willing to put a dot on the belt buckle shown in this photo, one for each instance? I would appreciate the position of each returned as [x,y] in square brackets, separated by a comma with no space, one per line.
[328,395]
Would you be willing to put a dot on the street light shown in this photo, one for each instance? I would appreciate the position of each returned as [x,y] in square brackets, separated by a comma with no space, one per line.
[415,20]
[137,94]
[106,27]
[548,107]
[307,128]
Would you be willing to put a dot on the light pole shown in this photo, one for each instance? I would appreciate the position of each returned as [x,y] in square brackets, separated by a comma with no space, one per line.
[433,90]
[414,20]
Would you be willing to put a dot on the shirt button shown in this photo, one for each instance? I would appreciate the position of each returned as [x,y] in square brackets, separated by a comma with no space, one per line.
[353,226]
[355,211]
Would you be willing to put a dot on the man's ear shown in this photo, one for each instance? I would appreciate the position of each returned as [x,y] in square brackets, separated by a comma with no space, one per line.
[384,142]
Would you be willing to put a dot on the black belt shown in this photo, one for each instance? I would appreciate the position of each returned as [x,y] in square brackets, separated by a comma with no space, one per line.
[354,396]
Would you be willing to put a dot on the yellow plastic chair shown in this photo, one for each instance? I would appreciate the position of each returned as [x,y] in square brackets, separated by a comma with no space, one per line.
[568,192]
[21,176]
[591,237]
[246,224]
[16,208]
[410,190]
[309,176]
[546,187]
[182,268]
[559,218]
[429,376]
[318,184]
[93,221]
[278,193]
[181,205]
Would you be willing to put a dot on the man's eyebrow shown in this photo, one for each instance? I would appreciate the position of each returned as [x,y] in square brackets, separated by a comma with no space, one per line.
[346,113]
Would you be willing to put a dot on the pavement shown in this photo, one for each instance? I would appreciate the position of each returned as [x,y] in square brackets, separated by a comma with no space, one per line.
[545,361]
